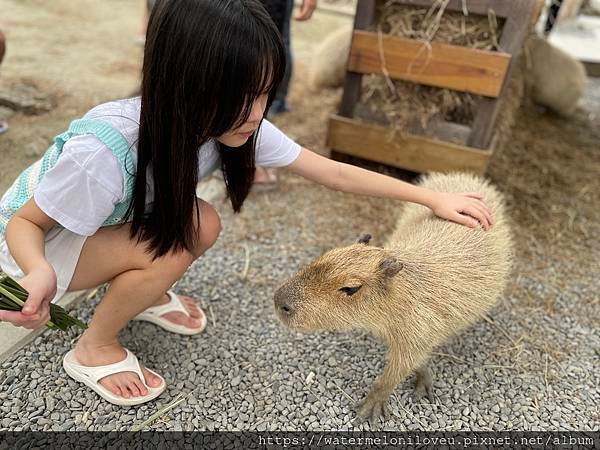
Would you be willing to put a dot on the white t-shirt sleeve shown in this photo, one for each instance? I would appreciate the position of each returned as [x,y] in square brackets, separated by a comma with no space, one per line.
[80,192]
[274,148]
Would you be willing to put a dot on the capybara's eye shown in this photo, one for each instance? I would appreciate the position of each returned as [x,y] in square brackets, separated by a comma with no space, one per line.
[350,290]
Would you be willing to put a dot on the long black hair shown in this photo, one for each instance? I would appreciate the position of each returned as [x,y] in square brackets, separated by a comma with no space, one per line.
[205,63]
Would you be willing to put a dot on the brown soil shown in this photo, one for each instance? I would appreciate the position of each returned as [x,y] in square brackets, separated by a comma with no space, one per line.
[78,54]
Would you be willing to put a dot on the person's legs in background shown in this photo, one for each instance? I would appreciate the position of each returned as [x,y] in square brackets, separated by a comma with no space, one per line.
[281,13]
[280,103]
[147,6]
[2,46]
[552,15]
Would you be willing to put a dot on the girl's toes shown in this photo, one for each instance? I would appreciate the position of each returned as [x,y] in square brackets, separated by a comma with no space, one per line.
[193,322]
[194,311]
[192,307]
[140,387]
[123,384]
[151,379]
[111,386]
[124,391]
[134,389]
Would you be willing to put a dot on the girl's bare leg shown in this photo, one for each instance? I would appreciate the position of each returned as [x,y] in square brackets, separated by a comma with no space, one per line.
[136,282]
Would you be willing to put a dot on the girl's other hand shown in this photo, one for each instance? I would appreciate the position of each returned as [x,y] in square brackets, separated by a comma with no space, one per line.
[41,285]
[465,208]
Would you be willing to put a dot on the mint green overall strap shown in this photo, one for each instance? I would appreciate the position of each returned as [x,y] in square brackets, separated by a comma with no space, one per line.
[117,144]
[110,137]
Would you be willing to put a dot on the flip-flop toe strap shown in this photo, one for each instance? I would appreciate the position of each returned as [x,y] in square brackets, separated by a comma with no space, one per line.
[129,364]
[175,305]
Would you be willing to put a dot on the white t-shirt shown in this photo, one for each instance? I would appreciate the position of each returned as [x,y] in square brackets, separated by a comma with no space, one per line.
[81,190]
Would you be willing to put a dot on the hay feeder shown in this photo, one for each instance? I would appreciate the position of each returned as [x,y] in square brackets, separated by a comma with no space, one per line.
[485,73]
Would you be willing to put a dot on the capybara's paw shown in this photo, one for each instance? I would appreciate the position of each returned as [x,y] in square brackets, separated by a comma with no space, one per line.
[423,390]
[424,384]
[373,407]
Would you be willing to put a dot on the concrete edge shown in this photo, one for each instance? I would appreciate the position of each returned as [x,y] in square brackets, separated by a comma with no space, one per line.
[13,339]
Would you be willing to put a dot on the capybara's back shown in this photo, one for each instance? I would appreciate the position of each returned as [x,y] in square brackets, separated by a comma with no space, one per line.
[460,271]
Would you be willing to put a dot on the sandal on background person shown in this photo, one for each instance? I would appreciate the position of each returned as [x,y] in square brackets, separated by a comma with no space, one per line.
[265,180]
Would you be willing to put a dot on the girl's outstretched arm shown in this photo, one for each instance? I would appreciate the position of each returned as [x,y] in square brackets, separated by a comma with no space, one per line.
[466,208]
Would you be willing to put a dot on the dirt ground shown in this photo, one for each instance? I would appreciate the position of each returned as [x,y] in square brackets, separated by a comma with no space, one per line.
[80,54]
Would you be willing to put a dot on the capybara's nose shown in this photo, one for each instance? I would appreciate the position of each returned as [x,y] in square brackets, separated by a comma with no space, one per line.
[286,309]
[283,305]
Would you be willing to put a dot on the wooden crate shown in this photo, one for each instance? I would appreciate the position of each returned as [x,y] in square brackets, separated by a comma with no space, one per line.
[485,73]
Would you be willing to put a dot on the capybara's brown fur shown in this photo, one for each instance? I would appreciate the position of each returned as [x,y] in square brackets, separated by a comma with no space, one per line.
[431,280]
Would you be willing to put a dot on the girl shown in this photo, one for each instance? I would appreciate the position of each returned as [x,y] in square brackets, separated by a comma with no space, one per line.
[113,199]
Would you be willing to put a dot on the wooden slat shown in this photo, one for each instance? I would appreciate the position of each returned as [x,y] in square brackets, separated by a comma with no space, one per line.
[592,68]
[410,152]
[441,65]
[365,14]
[515,29]
[438,129]
[502,8]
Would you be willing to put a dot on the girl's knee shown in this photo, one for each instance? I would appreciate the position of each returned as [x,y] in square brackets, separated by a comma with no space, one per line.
[209,229]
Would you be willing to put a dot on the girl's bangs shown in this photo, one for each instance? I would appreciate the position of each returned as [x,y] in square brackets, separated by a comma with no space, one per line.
[264,75]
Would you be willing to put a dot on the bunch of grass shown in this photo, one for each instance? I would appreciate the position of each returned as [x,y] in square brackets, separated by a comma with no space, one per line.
[13,297]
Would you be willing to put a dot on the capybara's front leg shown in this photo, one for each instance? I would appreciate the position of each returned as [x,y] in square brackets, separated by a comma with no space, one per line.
[374,405]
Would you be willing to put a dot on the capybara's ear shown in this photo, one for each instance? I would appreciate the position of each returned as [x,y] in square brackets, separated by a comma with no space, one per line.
[364,239]
[390,266]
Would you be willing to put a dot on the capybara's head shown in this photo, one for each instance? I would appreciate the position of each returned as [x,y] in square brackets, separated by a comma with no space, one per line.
[341,290]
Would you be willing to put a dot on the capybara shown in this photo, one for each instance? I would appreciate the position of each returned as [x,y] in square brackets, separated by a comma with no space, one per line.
[431,280]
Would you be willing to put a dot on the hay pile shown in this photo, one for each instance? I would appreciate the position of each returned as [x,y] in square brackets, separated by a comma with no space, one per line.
[408,106]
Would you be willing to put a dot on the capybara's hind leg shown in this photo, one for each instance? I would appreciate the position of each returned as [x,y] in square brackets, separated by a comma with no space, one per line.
[424,383]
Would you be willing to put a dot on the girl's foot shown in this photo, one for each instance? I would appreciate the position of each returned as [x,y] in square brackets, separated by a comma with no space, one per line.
[195,318]
[124,384]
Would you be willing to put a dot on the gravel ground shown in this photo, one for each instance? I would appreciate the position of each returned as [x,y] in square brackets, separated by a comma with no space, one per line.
[533,366]
[248,372]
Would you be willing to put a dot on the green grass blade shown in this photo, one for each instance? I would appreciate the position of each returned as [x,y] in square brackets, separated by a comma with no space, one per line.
[8,281]
[6,293]
[16,292]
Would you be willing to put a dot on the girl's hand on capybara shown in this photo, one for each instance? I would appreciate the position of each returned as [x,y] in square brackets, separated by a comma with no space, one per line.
[465,208]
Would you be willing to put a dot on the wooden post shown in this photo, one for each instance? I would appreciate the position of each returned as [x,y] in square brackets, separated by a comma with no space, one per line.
[365,14]
[513,34]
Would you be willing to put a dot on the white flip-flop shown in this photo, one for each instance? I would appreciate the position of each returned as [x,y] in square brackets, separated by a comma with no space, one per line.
[154,314]
[90,376]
